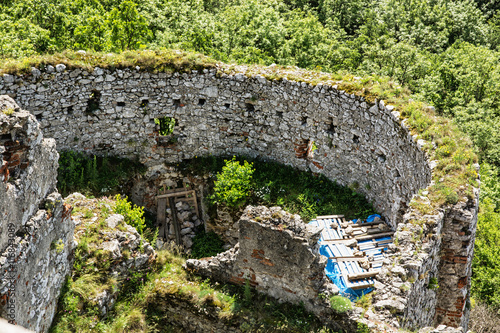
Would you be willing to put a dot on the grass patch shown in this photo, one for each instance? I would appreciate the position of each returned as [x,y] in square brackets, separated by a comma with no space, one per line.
[147,60]
[340,304]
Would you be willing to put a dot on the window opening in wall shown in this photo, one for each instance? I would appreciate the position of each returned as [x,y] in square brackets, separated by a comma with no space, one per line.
[120,103]
[280,114]
[166,124]
[144,103]
[93,102]
[250,107]
[311,147]
[304,121]
[39,116]
[355,139]
[332,129]
[201,102]
[177,103]
[227,105]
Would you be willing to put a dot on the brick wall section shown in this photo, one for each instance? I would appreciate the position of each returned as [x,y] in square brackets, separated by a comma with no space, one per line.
[457,250]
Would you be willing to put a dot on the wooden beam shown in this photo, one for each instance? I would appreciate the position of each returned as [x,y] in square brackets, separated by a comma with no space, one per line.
[369,285]
[324,217]
[161,219]
[353,258]
[373,236]
[177,228]
[360,276]
[176,194]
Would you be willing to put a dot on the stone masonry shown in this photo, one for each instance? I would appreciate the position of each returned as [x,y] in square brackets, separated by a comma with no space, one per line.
[312,127]
[277,254]
[107,112]
[36,237]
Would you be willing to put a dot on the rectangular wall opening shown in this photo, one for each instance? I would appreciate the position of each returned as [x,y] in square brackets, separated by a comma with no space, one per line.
[166,124]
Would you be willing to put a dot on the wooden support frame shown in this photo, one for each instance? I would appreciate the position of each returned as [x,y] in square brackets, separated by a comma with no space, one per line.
[173,196]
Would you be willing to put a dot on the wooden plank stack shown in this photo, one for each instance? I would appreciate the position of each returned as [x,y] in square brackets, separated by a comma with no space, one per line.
[357,248]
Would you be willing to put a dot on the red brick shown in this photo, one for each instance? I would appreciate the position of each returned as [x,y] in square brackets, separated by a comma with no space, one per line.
[266,262]
[4,170]
[13,163]
[319,166]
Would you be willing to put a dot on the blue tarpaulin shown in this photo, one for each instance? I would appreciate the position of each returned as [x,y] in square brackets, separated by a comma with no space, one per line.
[350,289]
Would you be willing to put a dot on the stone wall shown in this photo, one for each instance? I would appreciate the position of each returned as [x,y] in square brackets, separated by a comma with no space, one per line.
[107,112]
[359,144]
[426,281]
[36,237]
[278,255]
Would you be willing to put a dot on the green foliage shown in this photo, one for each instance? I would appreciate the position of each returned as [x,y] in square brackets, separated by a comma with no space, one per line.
[128,27]
[362,328]
[233,183]
[486,261]
[340,304]
[167,125]
[134,215]
[296,191]
[91,174]
[365,301]
[433,284]
[8,111]
[58,246]
[206,244]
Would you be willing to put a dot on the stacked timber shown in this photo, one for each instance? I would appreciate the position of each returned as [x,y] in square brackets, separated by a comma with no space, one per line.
[357,248]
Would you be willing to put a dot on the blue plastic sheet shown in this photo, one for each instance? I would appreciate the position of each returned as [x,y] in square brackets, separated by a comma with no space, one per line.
[332,269]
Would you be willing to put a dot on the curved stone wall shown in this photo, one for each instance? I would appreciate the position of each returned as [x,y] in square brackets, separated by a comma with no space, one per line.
[320,128]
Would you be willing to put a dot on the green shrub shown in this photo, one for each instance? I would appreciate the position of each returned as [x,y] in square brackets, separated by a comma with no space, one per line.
[233,184]
[206,244]
[134,215]
[340,304]
[362,328]
[297,191]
